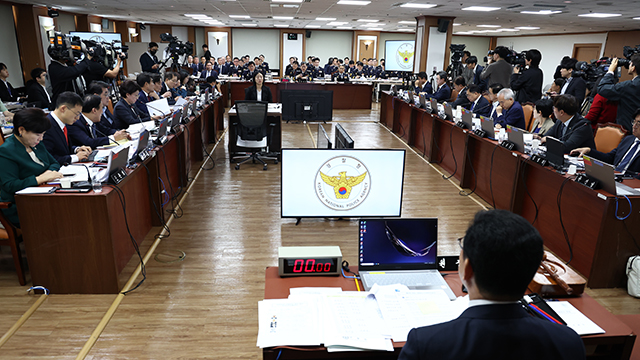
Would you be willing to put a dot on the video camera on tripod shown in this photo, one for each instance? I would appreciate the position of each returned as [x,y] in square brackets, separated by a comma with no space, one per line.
[176,47]
[456,67]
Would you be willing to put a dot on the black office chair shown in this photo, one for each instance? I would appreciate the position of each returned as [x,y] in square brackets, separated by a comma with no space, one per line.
[251,132]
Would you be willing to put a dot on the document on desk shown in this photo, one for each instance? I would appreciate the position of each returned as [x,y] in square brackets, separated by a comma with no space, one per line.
[575,319]
[138,127]
[287,322]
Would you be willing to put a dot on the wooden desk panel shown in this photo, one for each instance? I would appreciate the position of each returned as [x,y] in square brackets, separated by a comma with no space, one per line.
[423,134]
[386,109]
[405,122]
[616,342]
[450,142]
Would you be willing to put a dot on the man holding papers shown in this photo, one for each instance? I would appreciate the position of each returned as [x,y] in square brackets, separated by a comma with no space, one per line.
[499,256]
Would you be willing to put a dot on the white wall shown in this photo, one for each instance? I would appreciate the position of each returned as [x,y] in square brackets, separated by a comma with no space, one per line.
[200,39]
[145,35]
[254,42]
[476,45]
[552,47]
[9,54]
[391,36]
[66,23]
[326,44]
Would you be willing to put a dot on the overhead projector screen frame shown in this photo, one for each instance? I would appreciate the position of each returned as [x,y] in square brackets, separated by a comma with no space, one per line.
[305,192]
[393,58]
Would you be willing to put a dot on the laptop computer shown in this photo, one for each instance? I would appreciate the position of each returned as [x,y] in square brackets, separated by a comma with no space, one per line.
[423,101]
[467,119]
[116,161]
[175,120]
[514,135]
[448,112]
[434,105]
[400,251]
[487,125]
[161,135]
[555,152]
[143,141]
[605,174]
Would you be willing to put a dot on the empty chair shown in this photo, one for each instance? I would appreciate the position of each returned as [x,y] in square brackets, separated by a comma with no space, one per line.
[251,129]
[10,236]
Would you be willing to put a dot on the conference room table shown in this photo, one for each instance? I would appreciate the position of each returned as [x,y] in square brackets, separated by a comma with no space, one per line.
[79,243]
[616,343]
[356,95]
[578,224]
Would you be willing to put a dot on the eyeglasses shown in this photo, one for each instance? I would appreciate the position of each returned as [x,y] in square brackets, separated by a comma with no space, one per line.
[635,123]
[461,242]
[76,114]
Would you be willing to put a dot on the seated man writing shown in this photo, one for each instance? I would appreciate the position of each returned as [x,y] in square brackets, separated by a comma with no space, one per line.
[495,326]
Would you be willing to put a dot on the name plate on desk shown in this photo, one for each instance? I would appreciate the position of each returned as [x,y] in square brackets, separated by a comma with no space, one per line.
[309,260]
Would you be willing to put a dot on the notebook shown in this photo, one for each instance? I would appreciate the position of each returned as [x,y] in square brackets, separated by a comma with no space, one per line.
[400,251]
[604,173]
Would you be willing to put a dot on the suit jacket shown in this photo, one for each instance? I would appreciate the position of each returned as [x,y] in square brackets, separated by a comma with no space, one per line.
[105,126]
[164,89]
[205,74]
[426,88]
[5,94]
[462,100]
[80,134]
[497,72]
[62,77]
[478,81]
[577,87]
[147,62]
[18,171]
[528,85]
[141,103]
[578,134]
[56,143]
[626,93]
[251,93]
[482,107]
[126,115]
[37,94]
[494,332]
[514,116]
[442,94]
[614,157]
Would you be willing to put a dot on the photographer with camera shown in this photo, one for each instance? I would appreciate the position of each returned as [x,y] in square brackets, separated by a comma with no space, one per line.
[528,83]
[499,71]
[149,60]
[99,72]
[64,72]
[627,93]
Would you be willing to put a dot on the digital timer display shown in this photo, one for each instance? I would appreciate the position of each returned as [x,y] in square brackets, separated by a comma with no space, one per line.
[308,266]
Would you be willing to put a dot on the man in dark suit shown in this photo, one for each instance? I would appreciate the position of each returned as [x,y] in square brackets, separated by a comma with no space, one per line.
[509,111]
[56,140]
[570,127]
[421,85]
[85,131]
[495,326]
[443,91]
[67,78]
[149,60]
[208,71]
[528,82]
[195,66]
[125,111]
[107,119]
[37,91]
[479,105]
[460,86]
[574,85]
[626,156]
[168,91]
[626,93]
[147,88]
[7,92]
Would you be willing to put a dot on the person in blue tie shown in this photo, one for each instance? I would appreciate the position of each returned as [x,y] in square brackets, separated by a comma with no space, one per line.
[56,140]
[146,88]
[85,132]
[443,91]
[495,325]
[509,111]
[570,127]
[625,157]
[480,106]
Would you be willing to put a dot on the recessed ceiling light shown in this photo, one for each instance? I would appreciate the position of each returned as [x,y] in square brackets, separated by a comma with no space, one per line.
[405,29]
[541,12]
[240,16]
[281,25]
[313,26]
[368,20]
[287,1]
[195,15]
[249,24]
[480,8]
[463,33]
[325,19]
[636,18]
[373,24]
[337,23]
[489,26]
[418,6]
[507,30]
[282,18]
[353,2]
[456,24]
[344,27]
[407,22]
[527,28]
[292,6]
[600,15]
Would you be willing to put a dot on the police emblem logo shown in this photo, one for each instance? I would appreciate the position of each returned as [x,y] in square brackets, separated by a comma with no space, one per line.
[342,183]
[404,56]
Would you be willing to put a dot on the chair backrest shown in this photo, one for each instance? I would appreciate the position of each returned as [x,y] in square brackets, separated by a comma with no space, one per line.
[252,118]
[608,136]
[454,95]
[528,116]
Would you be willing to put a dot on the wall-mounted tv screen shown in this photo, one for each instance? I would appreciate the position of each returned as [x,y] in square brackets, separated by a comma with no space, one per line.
[342,183]
[399,55]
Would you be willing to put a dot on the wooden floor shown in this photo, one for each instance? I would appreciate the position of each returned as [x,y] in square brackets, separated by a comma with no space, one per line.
[206,306]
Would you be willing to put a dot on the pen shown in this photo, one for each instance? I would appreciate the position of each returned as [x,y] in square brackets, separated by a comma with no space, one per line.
[544,314]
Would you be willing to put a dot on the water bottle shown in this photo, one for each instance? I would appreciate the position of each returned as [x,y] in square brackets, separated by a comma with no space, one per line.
[96,185]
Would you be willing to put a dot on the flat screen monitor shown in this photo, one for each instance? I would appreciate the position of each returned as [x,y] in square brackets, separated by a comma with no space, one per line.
[307,105]
[323,138]
[101,37]
[342,183]
[399,55]
[342,138]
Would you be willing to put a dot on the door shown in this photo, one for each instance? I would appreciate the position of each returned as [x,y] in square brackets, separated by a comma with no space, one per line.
[586,52]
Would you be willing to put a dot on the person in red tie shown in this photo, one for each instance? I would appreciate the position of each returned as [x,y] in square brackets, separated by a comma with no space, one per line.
[56,140]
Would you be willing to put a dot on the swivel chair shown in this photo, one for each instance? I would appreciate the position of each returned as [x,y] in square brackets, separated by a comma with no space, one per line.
[11,236]
[251,132]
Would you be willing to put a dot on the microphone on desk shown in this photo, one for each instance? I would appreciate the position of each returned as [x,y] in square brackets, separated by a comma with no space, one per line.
[107,136]
[474,111]
[155,108]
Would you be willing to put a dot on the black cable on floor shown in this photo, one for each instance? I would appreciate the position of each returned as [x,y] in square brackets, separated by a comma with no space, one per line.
[493,199]
[475,177]
[453,154]
[564,230]
[526,188]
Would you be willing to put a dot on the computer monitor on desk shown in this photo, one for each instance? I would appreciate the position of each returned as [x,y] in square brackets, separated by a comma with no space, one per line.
[307,105]
[323,138]
[342,138]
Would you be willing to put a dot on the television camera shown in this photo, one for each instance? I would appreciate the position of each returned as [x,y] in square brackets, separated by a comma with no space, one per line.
[594,70]
[516,58]
[456,67]
[176,47]
[70,49]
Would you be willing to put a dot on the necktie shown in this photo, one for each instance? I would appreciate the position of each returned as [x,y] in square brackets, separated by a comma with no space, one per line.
[9,89]
[93,131]
[148,98]
[64,130]
[564,130]
[627,158]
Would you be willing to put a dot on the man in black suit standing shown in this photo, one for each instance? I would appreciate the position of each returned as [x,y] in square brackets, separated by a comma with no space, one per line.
[149,60]
[495,326]
[472,63]
[570,127]
[627,93]
[574,85]
[625,157]
[56,140]
[7,92]
[37,91]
